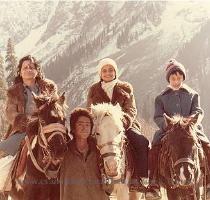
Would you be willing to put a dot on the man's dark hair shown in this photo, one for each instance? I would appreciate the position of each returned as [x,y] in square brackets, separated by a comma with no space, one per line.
[74,116]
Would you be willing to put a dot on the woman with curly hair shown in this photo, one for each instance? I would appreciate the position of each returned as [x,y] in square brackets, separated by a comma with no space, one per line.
[20,104]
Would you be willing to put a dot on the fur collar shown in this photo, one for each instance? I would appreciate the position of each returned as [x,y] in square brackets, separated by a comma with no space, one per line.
[18,88]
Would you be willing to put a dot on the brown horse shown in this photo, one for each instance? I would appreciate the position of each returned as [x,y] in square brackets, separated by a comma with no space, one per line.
[46,143]
[180,160]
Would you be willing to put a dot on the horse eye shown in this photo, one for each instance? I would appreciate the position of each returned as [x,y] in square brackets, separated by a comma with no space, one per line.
[97,134]
[42,121]
[106,115]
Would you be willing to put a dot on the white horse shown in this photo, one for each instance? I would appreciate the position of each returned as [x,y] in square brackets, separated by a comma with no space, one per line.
[110,136]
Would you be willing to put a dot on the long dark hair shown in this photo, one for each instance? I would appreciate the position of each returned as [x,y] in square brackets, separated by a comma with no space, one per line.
[18,78]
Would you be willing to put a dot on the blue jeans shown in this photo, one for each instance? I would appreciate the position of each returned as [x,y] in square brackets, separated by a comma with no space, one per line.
[140,145]
[12,143]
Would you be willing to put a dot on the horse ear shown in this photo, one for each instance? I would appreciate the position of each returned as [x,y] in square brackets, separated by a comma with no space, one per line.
[118,106]
[168,120]
[194,118]
[62,99]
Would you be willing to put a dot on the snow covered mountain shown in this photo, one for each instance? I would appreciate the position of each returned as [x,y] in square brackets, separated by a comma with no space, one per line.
[69,37]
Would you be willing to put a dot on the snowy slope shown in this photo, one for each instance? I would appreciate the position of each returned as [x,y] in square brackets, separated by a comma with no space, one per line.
[29,43]
[156,31]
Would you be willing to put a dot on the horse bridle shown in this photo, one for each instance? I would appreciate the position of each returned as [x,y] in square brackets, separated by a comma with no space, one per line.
[55,129]
[181,160]
[111,143]
[120,145]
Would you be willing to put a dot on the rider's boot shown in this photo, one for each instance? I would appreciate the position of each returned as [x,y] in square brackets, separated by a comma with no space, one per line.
[136,185]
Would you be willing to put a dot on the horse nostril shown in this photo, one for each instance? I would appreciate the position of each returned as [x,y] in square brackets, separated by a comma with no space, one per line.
[111,168]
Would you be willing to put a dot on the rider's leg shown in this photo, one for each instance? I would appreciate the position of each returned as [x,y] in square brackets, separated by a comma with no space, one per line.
[140,146]
[11,145]
[153,190]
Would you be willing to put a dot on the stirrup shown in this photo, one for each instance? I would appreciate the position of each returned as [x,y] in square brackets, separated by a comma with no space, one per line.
[153,192]
[137,186]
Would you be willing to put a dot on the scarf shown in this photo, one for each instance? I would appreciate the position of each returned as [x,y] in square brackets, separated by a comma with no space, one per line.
[108,87]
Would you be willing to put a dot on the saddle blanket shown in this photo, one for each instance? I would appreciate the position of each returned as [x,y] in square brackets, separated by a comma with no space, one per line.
[6,165]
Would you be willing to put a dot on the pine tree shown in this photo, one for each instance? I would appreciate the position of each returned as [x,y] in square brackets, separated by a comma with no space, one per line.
[2,79]
[11,62]
[3,124]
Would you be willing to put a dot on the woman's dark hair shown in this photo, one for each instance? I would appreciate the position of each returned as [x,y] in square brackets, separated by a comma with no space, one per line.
[74,116]
[18,78]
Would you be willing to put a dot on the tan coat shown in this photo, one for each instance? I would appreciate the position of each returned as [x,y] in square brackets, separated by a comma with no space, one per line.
[16,101]
[80,175]
[122,94]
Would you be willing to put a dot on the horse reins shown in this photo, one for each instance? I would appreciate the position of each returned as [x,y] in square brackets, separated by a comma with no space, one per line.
[55,128]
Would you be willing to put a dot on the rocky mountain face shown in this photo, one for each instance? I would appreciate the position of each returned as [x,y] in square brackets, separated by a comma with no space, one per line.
[69,37]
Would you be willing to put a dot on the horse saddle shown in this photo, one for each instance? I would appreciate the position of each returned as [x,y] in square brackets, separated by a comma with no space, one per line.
[21,165]
[20,162]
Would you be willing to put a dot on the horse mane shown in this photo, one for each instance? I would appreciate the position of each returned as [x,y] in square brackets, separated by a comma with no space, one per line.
[179,121]
[59,108]
[176,119]
[32,127]
[114,111]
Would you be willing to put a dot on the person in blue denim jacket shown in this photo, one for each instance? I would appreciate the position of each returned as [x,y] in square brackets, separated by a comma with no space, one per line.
[177,98]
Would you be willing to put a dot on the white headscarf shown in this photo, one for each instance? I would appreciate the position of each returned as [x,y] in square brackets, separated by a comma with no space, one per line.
[108,86]
[107,61]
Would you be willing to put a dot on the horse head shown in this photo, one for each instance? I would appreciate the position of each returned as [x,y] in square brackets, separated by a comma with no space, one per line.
[184,150]
[52,134]
[109,133]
